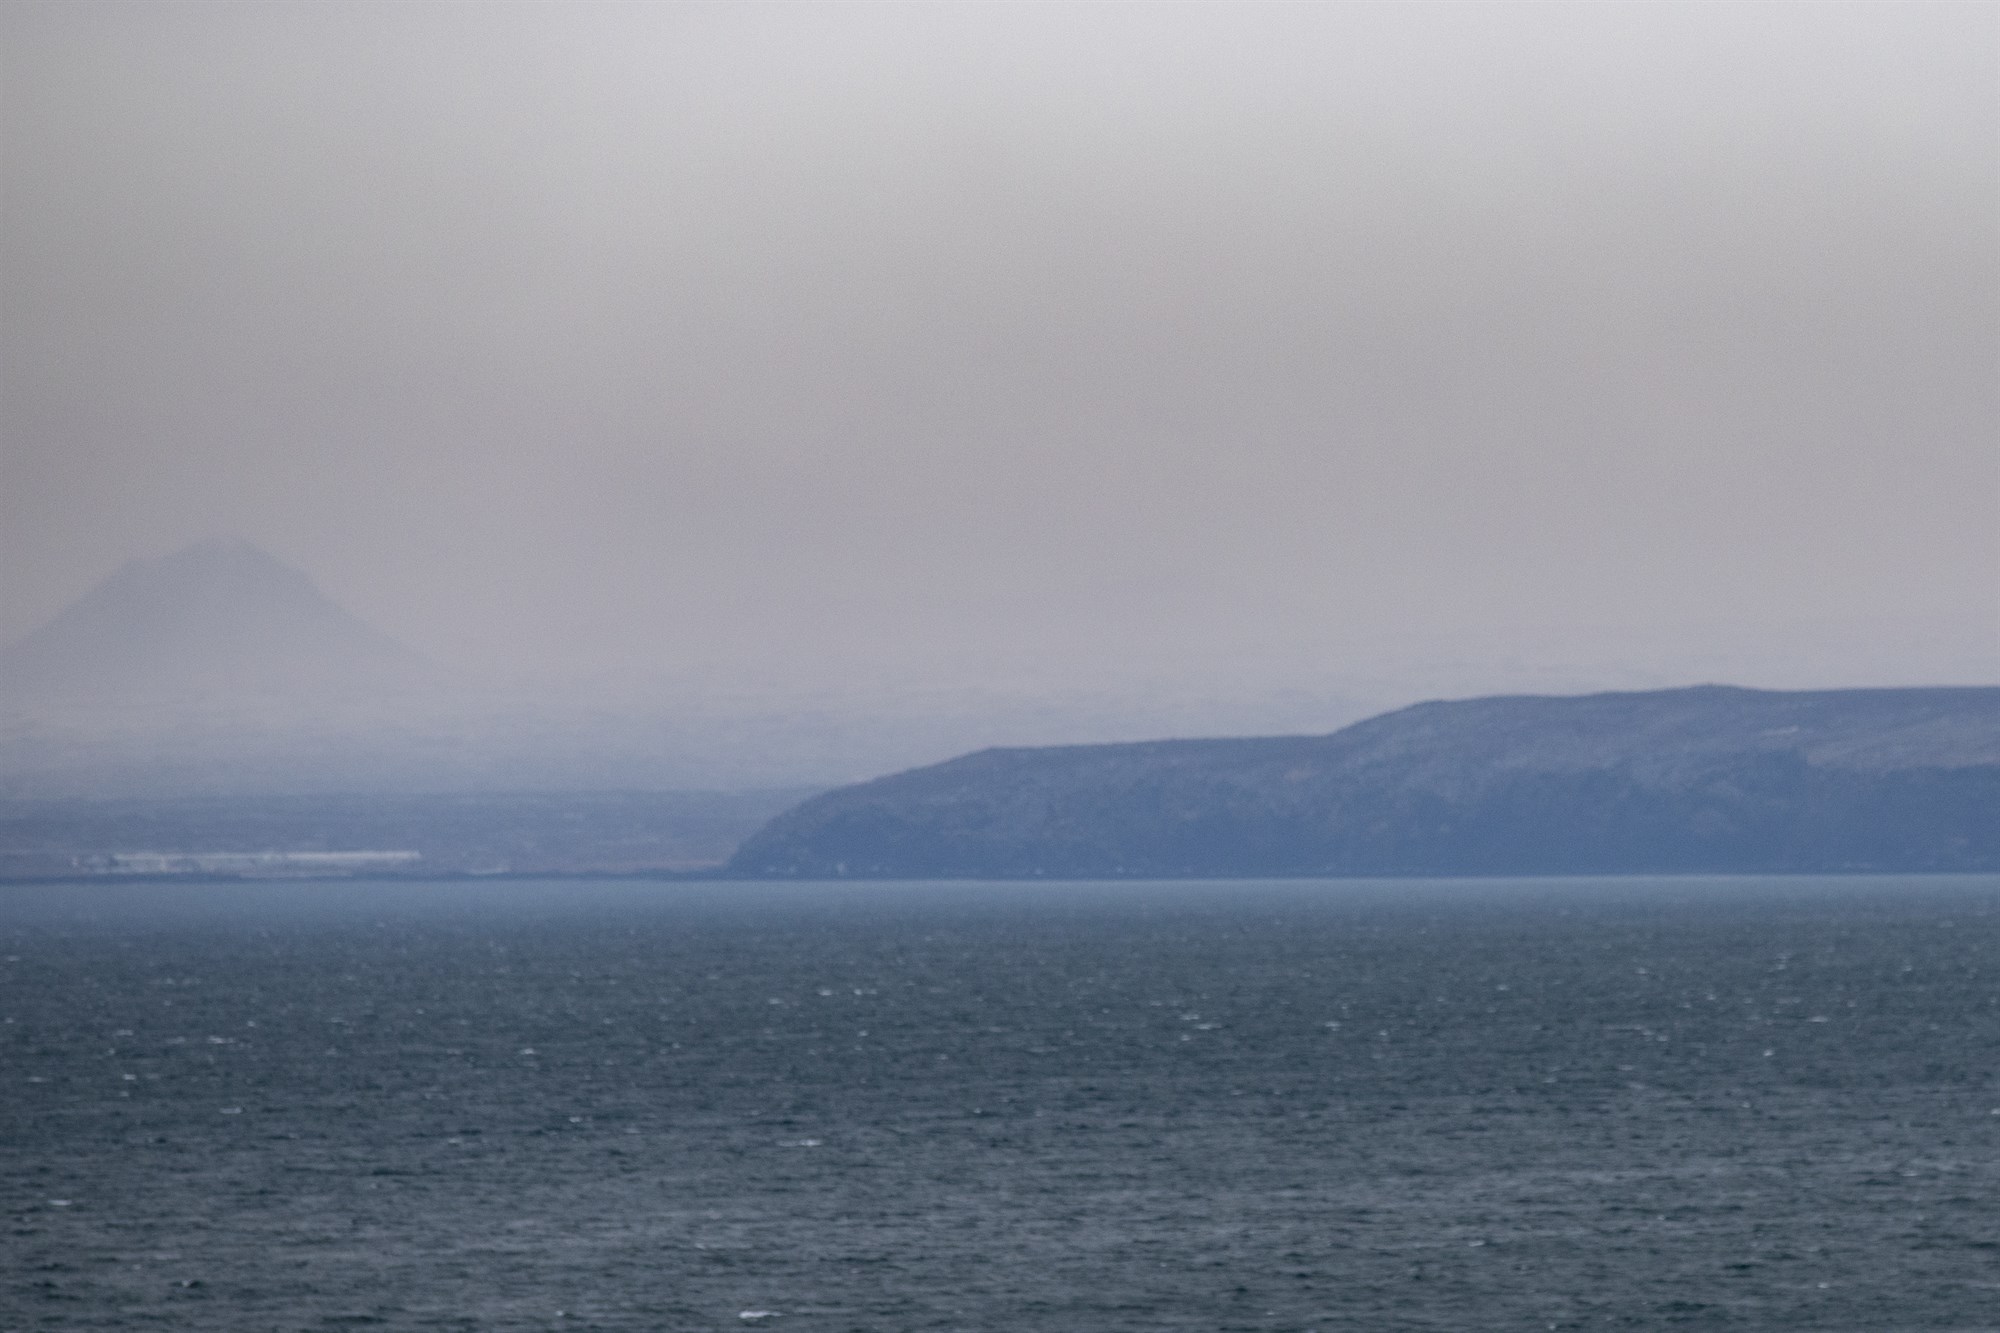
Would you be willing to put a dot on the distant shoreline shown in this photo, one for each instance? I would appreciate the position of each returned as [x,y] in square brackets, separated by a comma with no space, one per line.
[713,877]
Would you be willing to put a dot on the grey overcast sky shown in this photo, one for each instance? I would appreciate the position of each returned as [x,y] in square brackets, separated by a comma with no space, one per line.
[588,337]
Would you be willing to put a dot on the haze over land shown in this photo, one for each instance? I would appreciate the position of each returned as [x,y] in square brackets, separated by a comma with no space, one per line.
[786,395]
[218,670]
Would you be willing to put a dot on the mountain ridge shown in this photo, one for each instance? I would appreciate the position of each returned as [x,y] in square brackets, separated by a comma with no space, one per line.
[1705,778]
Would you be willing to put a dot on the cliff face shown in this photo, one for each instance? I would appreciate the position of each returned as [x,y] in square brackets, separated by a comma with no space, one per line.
[1705,779]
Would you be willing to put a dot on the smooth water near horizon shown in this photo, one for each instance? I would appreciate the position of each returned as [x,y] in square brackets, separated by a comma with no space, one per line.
[1692,1103]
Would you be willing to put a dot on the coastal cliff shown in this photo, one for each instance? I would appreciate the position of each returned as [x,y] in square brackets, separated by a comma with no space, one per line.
[1707,779]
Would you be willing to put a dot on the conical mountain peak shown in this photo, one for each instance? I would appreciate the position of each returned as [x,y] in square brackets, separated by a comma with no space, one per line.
[221,618]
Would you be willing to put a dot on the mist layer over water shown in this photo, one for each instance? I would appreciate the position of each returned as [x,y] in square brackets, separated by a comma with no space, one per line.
[1499,1104]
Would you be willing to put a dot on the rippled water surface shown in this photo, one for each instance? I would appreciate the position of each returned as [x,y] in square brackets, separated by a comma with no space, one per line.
[1742,1104]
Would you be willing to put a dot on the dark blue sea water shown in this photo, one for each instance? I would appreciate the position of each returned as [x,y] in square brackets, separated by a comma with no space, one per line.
[1701,1103]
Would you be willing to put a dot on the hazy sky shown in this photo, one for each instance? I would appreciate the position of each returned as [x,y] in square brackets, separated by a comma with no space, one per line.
[595,336]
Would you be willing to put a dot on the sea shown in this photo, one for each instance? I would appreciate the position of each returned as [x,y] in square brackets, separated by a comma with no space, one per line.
[1686,1103]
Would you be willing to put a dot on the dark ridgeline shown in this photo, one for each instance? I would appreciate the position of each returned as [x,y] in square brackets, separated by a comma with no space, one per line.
[1712,778]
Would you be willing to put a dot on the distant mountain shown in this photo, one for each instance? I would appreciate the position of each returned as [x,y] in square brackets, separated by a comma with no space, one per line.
[1705,779]
[219,671]
[223,618]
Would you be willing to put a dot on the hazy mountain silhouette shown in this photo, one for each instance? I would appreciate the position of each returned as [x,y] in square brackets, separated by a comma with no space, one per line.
[219,619]
[1705,779]
[220,671]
